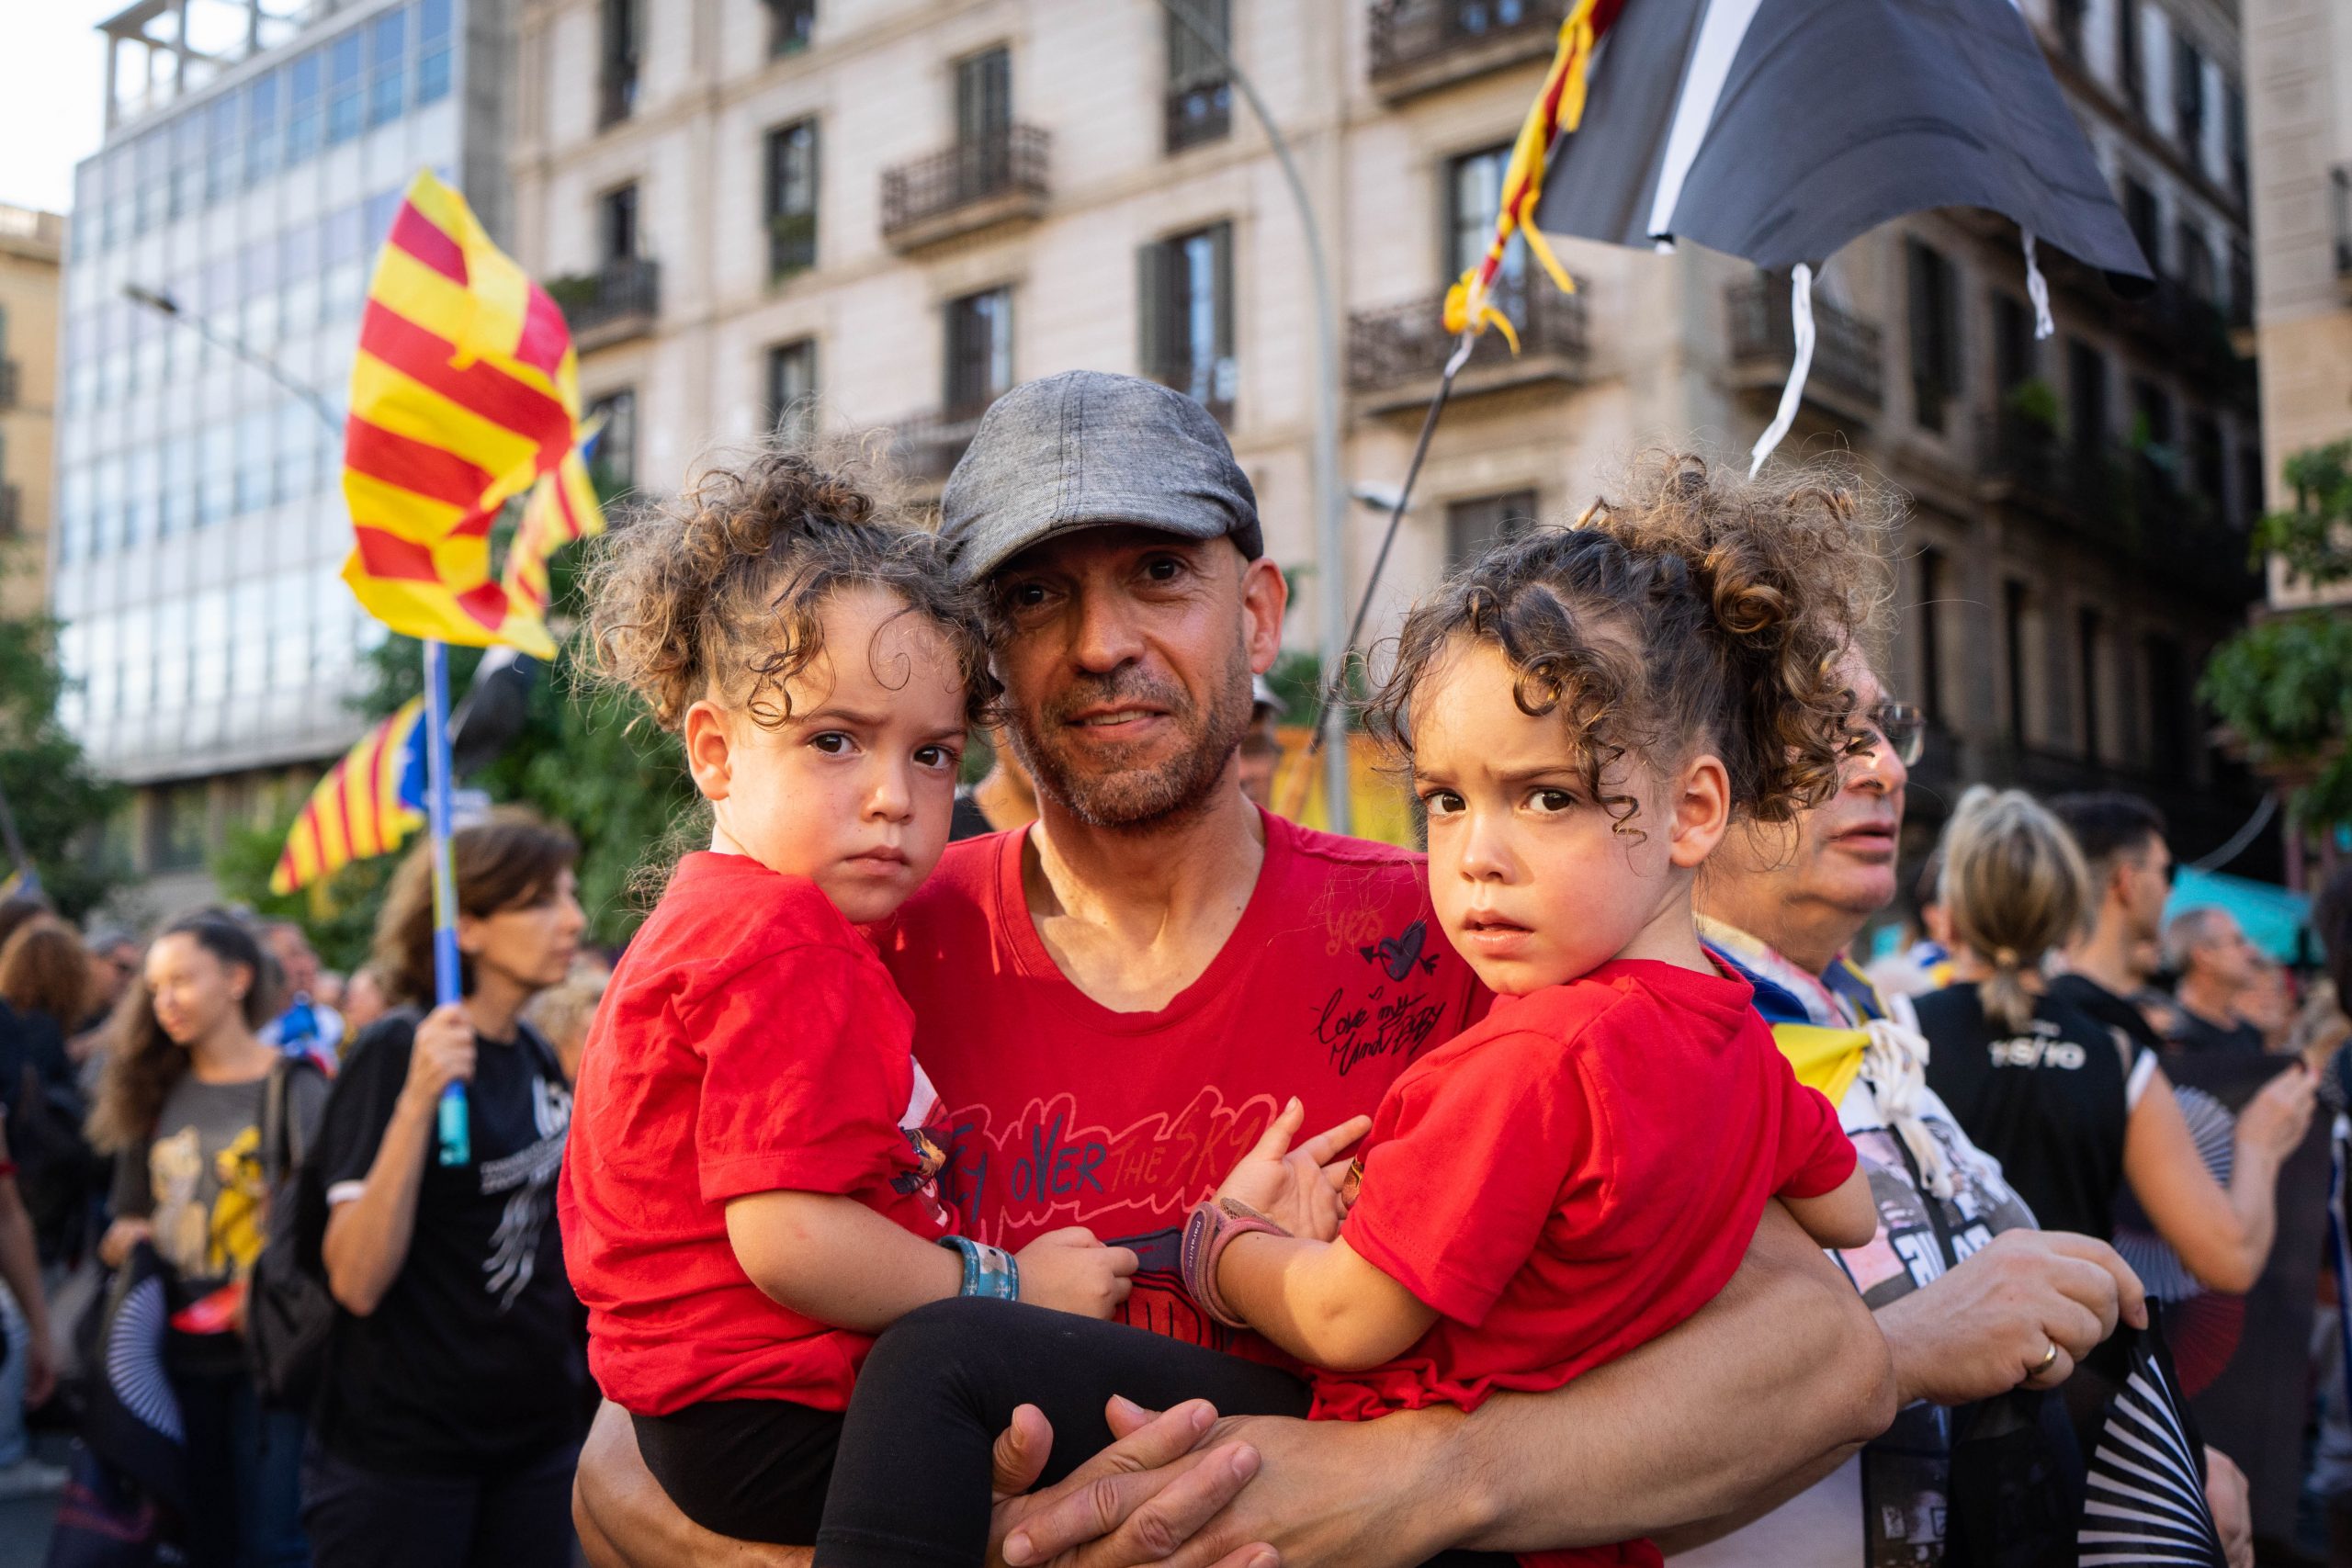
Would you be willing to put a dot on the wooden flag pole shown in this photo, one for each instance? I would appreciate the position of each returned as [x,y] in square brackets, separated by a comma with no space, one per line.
[456,1141]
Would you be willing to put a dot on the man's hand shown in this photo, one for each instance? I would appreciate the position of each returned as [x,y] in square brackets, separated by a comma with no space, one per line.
[626,1520]
[1297,1188]
[2226,1494]
[1140,1500]
[1988,1326]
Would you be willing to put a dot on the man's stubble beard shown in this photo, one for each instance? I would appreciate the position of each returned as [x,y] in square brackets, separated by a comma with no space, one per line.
[1142,798]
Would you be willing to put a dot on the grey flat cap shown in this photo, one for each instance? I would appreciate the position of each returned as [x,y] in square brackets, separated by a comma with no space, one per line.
[1086,448]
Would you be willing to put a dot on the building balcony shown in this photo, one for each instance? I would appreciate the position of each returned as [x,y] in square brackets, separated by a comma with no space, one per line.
[11,382]
[617,302]
[1418,45]
[2192,332]
[1846,378]
[926,446]
[996,178]
[1396,355]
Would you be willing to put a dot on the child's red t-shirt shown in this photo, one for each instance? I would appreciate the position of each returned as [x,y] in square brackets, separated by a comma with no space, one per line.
[1573,1177]
[750,1041]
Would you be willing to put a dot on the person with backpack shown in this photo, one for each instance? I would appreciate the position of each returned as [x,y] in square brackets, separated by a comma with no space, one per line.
[182,1107]
[453,1398]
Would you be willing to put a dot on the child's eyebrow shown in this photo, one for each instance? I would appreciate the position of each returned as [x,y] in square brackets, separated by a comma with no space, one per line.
[830,715]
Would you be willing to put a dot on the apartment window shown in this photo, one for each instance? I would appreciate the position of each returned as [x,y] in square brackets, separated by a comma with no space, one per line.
[1473,195]
[2188,97]
[342,88]
[222,167]
[2234,135]
[1200,93]
[2013,613]
[2086,394]
[182,821]
[2196,272]
[792,389]
[2090,632]
[1187,315]
[302,108]
[432,51]
[979,350]
[2139,211]
[1932,580]
[2151,430]
[791,198]
[2016,353]
[2167,710]
[1935,333]
[983,96]
[614,469]
[260,127]
[386,65]
[623,23]
[2129,69]
[791,25]
[616,225]
[1474,526]
[2070,15]
[188,164]
[2208,466]
[151,166]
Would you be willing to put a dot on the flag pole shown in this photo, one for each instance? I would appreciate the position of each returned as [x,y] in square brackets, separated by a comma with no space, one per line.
[455,1138]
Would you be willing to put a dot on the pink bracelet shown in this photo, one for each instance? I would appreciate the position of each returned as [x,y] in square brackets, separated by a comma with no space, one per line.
[1209,1231]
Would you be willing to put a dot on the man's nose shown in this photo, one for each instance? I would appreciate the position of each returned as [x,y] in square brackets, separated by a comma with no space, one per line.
[1108,635]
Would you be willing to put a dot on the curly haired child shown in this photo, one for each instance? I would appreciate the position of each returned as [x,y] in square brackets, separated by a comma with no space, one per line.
[1587,711]
[750,1187]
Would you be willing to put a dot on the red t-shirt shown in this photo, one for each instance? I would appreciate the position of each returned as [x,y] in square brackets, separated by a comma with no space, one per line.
[750,1041]
[1060,1111]
[1574,1177]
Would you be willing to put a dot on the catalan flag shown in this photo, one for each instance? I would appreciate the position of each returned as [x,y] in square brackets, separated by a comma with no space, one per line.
[367,803]
[562,508]
[463,394]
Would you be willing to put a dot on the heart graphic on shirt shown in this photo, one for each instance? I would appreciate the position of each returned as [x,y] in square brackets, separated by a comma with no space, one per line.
[1397,954]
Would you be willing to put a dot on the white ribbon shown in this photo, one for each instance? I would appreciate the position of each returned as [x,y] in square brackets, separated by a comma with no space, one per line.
[1801,324]
[1895,1064]
[2037,288]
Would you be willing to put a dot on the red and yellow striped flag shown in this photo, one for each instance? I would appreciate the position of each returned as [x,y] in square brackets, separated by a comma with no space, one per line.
[562,508]
[367,803]
[464,392]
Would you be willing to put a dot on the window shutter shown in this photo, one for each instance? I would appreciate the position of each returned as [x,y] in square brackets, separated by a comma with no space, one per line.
[1153,347]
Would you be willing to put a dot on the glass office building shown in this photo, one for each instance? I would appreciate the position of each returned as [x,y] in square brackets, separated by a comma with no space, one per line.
[200,525]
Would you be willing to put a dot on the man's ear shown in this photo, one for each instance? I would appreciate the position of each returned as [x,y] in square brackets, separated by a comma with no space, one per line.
[1264,598]
[707,746]
[1701,805]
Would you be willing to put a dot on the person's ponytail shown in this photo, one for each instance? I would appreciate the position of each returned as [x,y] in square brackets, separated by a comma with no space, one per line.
[2015,888]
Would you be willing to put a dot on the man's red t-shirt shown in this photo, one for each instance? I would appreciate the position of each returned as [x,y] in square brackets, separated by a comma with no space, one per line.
[750,1041]
[1574,1177]
[1060,1111]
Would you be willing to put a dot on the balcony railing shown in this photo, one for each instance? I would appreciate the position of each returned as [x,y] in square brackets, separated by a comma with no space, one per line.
[613,304]
[1418,45]
[1396,355]
[1847,358]
[11,382]
[927,446]
[2192,332]
[991,179]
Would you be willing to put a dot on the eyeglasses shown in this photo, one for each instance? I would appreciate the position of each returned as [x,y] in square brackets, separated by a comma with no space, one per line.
[1900,728]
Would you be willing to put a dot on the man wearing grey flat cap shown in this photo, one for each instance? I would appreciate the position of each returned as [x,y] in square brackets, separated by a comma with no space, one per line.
[1115,1001]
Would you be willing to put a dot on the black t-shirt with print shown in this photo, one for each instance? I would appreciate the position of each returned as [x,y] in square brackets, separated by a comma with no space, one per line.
[471,1362]
[2050,1103]
[2196,1033]
[2086,994]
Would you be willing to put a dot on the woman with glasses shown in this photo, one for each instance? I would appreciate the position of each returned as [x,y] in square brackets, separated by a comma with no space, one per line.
[2071,1107]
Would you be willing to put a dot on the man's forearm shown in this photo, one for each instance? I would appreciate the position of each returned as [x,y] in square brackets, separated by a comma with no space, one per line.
[1782,1370]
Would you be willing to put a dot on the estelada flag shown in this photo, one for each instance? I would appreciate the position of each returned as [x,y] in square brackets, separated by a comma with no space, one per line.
[367,803]
[464,393]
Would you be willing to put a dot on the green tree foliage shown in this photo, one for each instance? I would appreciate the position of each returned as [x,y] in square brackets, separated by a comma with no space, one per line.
[2284,684]
[339,913]
[60,805]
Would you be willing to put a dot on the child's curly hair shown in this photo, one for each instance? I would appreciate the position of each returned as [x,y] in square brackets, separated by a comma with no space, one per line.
[717,593]
[1698,609]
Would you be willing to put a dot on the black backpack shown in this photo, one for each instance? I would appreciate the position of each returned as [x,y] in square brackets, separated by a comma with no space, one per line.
[288,1311]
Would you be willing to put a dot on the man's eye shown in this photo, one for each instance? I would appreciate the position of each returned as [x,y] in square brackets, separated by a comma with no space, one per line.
[831,742]
[1025,595]
[1163,568]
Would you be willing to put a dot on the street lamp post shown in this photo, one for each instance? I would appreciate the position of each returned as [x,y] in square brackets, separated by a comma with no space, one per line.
[165,305]
[1330,541]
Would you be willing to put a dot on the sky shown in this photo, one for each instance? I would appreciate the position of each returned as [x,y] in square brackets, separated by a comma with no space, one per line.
[52,113]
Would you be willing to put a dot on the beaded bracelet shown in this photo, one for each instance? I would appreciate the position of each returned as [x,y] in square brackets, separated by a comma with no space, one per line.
[988,1271]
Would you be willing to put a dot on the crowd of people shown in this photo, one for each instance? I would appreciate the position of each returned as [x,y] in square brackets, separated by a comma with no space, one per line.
[1090,1161]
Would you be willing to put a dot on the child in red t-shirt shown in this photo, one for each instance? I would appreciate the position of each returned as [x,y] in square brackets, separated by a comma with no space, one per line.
[1588,711]
[750,1190]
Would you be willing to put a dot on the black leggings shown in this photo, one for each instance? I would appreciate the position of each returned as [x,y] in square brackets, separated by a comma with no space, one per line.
[910,1480]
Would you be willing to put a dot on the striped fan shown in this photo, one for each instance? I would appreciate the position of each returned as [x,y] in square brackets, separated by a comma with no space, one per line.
[2145,1502]
[134,1358]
